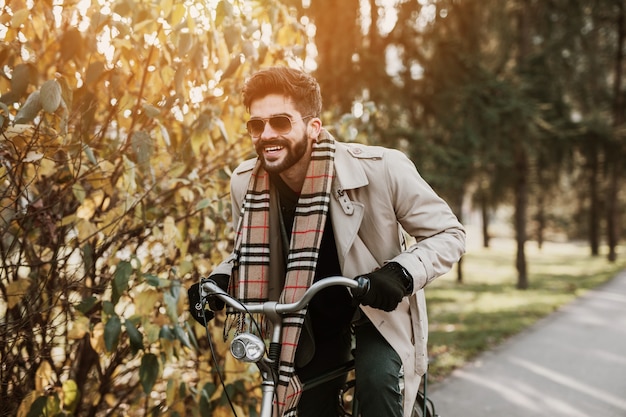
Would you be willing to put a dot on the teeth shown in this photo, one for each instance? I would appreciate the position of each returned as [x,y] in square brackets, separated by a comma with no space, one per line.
[273,148]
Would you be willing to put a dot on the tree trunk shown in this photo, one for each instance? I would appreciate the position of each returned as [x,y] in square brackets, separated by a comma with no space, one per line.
[484,210]
[521,203]
[457,207]
[613,223]
[594,202]
[520,155]
[541,211]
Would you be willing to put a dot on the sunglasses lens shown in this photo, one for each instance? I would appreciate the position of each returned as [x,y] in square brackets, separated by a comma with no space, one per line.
[280,124]
[255,127]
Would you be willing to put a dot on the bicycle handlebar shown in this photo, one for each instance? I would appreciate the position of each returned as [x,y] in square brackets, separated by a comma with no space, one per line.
[359,287]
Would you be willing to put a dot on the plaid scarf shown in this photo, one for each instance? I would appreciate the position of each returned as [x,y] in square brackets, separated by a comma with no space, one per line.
[252,256]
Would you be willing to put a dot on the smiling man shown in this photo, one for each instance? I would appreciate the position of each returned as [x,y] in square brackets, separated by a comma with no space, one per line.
[309,207]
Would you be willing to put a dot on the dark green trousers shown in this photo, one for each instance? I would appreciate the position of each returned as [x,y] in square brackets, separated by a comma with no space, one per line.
[378,369]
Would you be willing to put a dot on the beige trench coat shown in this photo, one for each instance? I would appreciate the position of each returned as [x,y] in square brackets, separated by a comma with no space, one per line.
[382,210]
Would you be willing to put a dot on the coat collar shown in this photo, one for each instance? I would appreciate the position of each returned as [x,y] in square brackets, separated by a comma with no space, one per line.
[349,172]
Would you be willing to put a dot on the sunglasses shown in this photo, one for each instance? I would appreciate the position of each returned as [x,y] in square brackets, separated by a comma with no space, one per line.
[279,124]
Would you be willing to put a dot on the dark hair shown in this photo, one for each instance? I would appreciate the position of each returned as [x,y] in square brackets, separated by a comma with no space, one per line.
[301,87]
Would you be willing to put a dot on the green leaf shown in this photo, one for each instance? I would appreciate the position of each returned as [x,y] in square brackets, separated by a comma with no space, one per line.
[148,371]
[152,280]
[79,192]
[86,305]
[37,408]
[50,96]
[192,336]
[135,337]
[171,305]
[151,111]
[46,405]
[171,300]
[182,390]
[202,204]
[205,399]
[88,254]
[141,143]
[167,333]
[112,331]
[108,308]
[90,155]
[29,110]
[120,280]
[182,336]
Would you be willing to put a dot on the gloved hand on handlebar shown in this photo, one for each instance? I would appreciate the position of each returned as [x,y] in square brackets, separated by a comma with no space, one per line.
[388,285]
[196,304]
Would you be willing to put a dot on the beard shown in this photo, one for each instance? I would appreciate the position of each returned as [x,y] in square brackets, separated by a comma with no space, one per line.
[294,153]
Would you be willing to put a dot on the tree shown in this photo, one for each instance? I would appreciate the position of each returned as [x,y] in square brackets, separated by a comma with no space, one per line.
[119,125]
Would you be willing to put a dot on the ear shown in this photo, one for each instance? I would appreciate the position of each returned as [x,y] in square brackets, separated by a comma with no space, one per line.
[314,127]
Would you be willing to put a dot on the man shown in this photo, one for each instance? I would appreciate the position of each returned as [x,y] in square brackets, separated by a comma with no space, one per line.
[309,207]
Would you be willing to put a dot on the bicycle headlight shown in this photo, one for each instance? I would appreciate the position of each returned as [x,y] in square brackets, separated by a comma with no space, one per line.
[247,347]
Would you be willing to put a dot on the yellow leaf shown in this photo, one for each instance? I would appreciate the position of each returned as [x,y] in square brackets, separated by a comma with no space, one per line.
[16,291]
[166,6]
[39,25]
[97,338]
[86,210]
[26,403]
[110,399]
[47,167]
[19,17]
[68,220]
[178,13]
[225,411]
[43,376]
[70,394]
[171,391]
[86,229]
[146,300]
[167,75]
[148,26]
[17,130]
[170,232]
[78,328]
[129,177]
[10,35]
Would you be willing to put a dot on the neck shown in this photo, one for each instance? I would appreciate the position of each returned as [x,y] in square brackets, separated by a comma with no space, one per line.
[295,175]
[295,180]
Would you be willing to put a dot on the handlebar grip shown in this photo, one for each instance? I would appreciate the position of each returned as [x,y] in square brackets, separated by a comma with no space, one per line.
[362,288]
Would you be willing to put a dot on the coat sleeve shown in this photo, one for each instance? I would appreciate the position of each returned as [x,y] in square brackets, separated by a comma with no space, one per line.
[424,215]
[238,187]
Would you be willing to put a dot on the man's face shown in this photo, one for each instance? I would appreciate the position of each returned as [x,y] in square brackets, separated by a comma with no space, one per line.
[281,152]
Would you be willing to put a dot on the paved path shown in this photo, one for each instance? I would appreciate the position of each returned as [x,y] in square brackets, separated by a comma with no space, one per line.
[570,364]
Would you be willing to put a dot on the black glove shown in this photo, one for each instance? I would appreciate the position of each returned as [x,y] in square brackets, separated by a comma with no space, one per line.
[388,285]
[197,305]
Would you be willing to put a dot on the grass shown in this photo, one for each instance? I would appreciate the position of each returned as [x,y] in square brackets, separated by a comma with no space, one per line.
[468,318]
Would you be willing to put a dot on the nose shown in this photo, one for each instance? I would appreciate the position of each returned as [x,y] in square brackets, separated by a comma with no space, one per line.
[268,131]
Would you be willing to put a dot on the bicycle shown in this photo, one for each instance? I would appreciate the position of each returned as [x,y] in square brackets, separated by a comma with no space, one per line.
[248,347]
